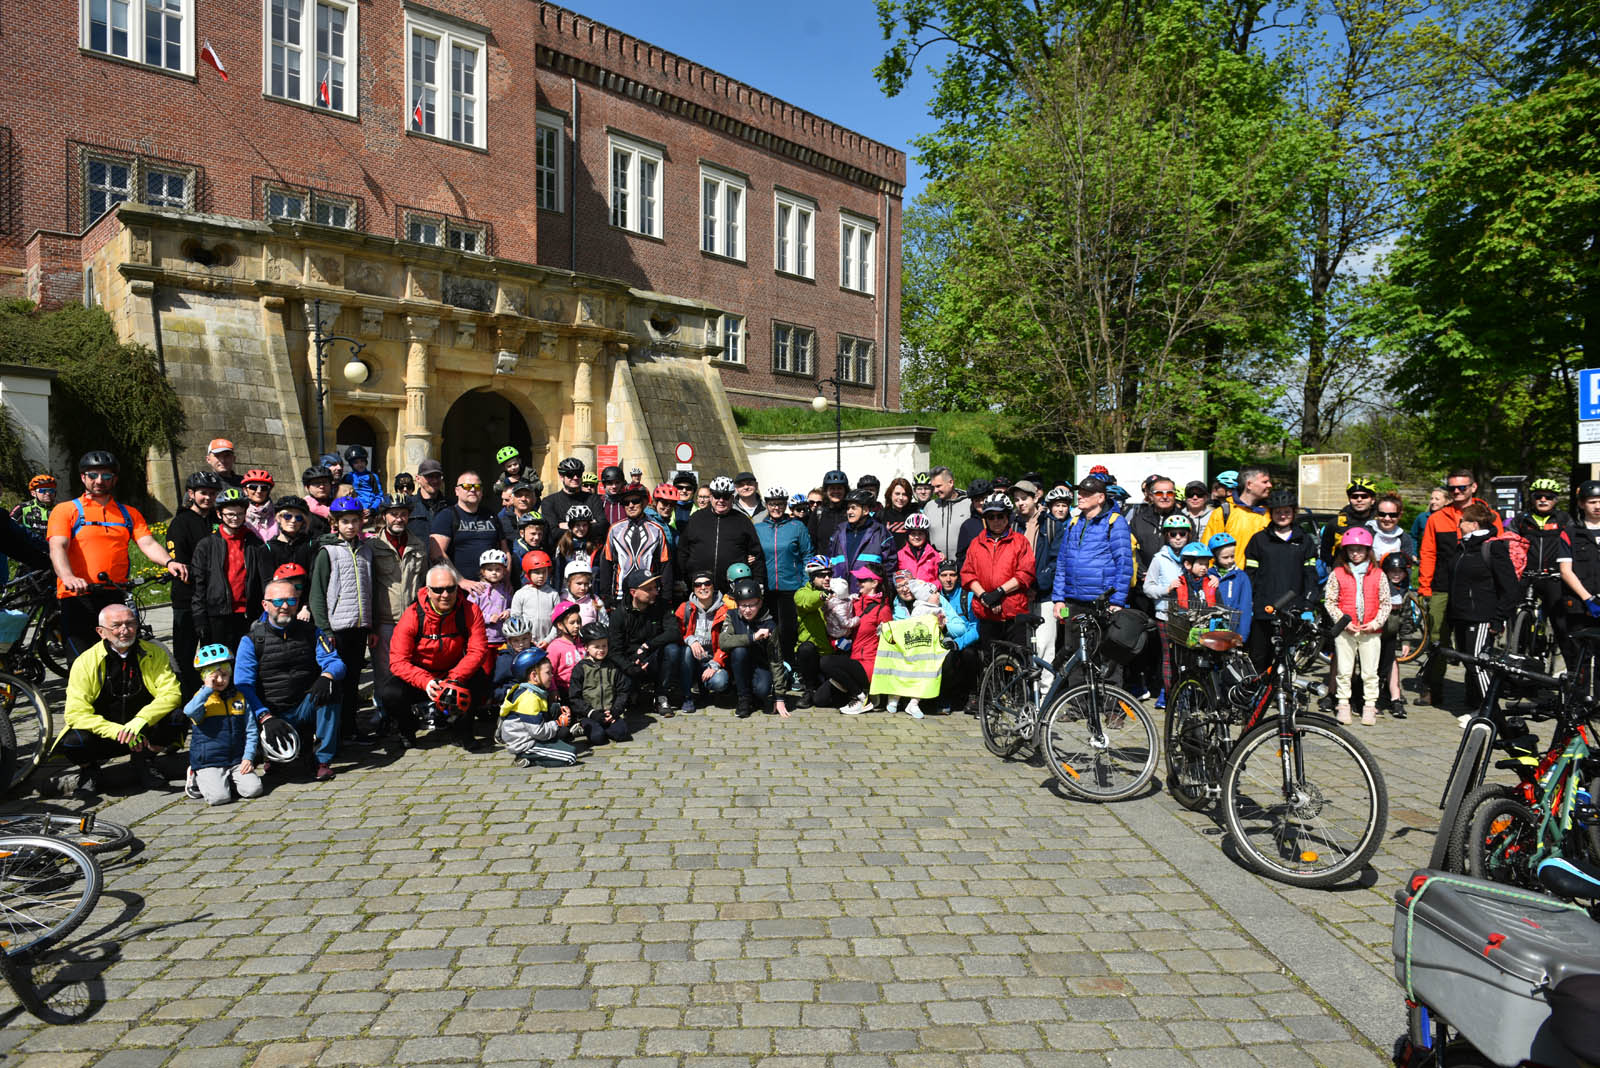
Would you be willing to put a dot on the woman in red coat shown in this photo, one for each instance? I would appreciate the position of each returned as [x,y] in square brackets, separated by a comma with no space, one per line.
[848,677]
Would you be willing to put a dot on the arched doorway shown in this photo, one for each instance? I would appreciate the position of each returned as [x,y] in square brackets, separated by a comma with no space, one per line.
[355,430]
[475,428]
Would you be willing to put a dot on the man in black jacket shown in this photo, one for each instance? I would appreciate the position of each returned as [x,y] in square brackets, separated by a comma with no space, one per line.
[195,521]
[554,506]
[718,536]
[229,570]
[431,499]
[1281,559]
[1362,493]
[645,640]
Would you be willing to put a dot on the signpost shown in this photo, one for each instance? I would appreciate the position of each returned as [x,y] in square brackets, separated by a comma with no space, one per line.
[1589,419]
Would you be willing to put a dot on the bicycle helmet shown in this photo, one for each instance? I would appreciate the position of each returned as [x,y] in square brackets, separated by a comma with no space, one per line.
[684,478]
[354,453]
[864,497]
[571,467]
[1357,536]
[454,697]
[738,571]
[200,480]
[746,589]
[666,491]
[798,500]
[525,661]
[98,458]
[1220,542]
[232,496]
[1178,522]
[817,563]
[996,503]
[1538,485]
[1195,551]
[290,503]
[922,479]
[611,473]
[951,564]
[835,478]
[534,559]
[1229,479]
[280,742]
[288,573]
[1588,490]
[341,505]
[257,474]
[1103,473]
[515,626]
[1287,499]
[590,479]
[1361,484]
[633,491]
[917,521]
[775,493]
[1058,493]
[493,556]
[721,486]
[593,632]
[38,482]
[394,502]
[1116,492]
[210,655]
[579,513]
[315,474]
[507,452]
[561,609]
[579,565]
[405,483]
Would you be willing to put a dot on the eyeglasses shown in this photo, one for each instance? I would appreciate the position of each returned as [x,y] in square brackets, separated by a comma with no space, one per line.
[470,487]
[1458,487]
[1163,493]
[100,476]
[284,602]
[291,517]
[1360,493]
[440,591]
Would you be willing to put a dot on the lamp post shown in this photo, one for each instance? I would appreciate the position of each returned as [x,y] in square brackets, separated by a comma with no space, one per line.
[819,403]
[355,372]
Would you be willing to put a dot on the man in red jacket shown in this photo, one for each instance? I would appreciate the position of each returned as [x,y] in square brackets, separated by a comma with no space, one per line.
[999,571]
[438,658]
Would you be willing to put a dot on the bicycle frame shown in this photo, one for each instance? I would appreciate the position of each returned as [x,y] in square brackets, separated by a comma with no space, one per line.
[1078,659]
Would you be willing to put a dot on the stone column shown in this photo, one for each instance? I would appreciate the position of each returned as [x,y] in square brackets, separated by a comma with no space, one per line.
[414,433]
[583,400]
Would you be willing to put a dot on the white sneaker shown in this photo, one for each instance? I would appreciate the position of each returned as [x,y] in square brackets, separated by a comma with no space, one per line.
[854,708]
[191,790]
[914,708]
[893,706]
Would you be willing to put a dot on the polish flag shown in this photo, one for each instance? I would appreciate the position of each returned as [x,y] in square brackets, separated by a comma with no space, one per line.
[209,54]
[323,94]
[416,112]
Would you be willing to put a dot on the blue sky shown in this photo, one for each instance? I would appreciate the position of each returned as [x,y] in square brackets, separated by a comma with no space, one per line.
[817,55]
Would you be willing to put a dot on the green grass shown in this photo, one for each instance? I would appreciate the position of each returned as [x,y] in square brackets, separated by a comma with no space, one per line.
[972,444]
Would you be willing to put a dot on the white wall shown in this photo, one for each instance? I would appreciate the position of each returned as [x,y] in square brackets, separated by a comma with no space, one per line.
[797,462]
[1131,468]
[27,398]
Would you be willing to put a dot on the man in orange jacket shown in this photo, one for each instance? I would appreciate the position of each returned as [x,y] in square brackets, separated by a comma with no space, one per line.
[1440,543]
[999,571]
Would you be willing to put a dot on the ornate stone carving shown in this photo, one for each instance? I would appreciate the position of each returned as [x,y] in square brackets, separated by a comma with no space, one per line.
[371,322]
[511,300]
[424,284]
[365,276]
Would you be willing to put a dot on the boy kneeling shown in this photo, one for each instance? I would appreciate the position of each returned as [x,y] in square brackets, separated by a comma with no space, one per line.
[755,659]
[600,690]
[224,744]
[532,727]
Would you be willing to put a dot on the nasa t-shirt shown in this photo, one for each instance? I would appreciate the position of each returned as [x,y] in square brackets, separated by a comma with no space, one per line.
[469,533]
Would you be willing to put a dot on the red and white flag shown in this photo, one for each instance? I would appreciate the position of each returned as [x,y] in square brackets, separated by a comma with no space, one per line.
[323,94]
[416,112]
[209,54]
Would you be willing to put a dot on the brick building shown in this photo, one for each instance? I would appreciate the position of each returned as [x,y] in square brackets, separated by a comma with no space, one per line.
[539,186]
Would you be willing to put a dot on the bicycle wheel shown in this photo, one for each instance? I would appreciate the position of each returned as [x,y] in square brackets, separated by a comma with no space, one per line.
[1326,825]
[1456,858]
[8,755]
[88,832]
[29,718]
[1116,763]
[47,888]
[1413,636]
[1196,744]
[50,644]
[1005,697]
[1503,842]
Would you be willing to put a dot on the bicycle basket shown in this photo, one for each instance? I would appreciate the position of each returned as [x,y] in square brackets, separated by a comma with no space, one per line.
[12,624]
[1186,626]
[1124,635]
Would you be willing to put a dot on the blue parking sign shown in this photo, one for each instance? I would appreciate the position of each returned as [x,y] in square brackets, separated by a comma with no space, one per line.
[1589,394]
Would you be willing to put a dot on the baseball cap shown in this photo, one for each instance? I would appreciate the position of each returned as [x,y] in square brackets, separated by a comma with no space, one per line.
[1091,485]
[430,467]
[219,445]
[1027,487]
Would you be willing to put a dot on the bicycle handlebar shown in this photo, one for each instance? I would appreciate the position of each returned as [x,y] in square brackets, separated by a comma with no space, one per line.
[1501,663]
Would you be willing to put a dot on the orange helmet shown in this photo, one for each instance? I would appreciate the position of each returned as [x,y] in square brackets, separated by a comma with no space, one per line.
[258,474]
[41,482]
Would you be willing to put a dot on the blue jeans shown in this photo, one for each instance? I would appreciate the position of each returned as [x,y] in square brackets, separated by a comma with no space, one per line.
[690,670]
[751,676]
[323,719]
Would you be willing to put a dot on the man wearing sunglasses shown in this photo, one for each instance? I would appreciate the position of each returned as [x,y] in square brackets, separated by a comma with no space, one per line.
[464,532]
[436,656]
[1440,542]
[287,667]
[1362,493]
[90,535]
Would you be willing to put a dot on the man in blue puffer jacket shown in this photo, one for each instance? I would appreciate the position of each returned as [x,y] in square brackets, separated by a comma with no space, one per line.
[1095,555]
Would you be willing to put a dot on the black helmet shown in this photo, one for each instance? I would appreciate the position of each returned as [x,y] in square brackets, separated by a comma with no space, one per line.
[611,473]
[1282,499]
[571,467]
[311,474]
[592,632]
[404,482]
[98,458]
[354,453]
[868,480]
[1588,490]
[746,589]
[864,497]
[394,500]
[290,503]
[203,480]
[836,478]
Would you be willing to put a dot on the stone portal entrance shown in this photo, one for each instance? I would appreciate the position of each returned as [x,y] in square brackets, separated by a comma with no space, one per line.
[477,425]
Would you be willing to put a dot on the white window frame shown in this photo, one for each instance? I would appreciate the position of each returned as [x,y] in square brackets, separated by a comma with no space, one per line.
[784,336]
[729,331]
[310,56]
[454,231]
[849,359]
[415,218]
[639,209]
[137,191]
[722,228]
[448,37]
[549,129]
[794,239]
[858,251]
[136,10]
[107,160]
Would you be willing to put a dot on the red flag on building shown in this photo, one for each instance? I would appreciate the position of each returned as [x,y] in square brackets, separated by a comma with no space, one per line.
[416,112]
[322,92]
[209,54]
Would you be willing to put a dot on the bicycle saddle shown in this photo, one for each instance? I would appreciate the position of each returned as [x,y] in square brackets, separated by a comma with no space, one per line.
[1569,878]
[1220,641]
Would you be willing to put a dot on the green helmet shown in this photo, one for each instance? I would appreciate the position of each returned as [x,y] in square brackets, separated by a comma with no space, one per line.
[1544,485]
[231,495]
[507,452]
[737,572]
[1177,522]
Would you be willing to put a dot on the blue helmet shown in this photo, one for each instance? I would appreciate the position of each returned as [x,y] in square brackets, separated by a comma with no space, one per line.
[1195,551]
[211,655]
[1229,479]
[344,504]
[526,661]
[328,459]
[1116,492]
[817,563]
[798,499]
[1221,541]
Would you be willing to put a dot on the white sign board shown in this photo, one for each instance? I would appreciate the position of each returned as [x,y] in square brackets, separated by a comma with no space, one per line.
[1589,430]
[1131,468]
[684,453]
[1589,452]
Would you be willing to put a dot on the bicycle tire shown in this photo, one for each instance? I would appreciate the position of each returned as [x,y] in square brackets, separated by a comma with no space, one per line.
[1090,771]
[1520,632]
[1409,647]
[1457,854]
[8,755]
[1291,825]
[49,644]
[1193,760]
[28,715]
[1005,682]
[47,888]
[1502,842]
[88,832]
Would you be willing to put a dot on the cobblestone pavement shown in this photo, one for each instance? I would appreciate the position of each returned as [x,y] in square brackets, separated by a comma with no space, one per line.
[817,891]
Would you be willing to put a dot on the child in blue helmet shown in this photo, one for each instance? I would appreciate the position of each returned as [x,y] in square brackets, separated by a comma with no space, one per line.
[365,486]
[1233,584]
[533,727]
[225,738]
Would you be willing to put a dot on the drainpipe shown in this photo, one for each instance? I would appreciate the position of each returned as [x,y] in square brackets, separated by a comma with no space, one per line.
[572,187]
[883,296]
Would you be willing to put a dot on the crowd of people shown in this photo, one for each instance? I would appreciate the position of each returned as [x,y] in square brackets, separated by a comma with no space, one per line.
[490,613]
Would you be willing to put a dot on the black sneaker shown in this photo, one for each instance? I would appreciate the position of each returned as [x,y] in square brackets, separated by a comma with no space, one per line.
[744,708]
[664,707]
[151,779]
[1397,709]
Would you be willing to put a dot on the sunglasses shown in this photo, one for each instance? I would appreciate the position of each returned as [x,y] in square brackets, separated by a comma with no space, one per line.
[470,487]
[1163,493]
[284,602]
[1177,533]
[1196,496]
[1388,515]
[291,517]
[1361,494]
[703,582]
[100,476]
[1459,487]
[1542,496]
[440,591]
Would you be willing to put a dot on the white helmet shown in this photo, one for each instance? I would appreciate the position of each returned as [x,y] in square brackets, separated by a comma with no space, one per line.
[280,742]
[493,556]
[721,486]
[578,566]
[775,493]
[579,512]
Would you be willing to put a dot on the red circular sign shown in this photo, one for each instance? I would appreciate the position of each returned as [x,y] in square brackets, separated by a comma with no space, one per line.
[685,452]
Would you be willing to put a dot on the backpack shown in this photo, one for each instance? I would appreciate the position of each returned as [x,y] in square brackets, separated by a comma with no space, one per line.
[83,520]
[1516,545]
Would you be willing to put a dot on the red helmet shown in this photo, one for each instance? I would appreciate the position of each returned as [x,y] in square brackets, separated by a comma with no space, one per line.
[454,697]
[257,474]
[288,572]
[667,492]
[534,559]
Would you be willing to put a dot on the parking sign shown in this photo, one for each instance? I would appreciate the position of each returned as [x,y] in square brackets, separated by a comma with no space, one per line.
[1589,394]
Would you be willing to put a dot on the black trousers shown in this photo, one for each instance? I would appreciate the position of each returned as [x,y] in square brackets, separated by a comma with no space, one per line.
[1472,639]
[185,640]
[957,677]
[226,630]
[87,749]
[351,647]
[843,680]
[782,604]
[398,698]
[808,665]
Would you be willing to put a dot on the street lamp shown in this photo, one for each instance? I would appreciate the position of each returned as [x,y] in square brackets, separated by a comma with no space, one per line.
[819,403]
[355,372]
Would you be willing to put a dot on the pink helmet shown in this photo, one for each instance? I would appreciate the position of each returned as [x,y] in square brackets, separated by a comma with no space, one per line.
[1357,536]
[561,609]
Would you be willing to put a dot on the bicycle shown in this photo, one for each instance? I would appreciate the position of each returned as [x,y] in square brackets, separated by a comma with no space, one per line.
[87,831]
[1080,730]
[42,646]
[1412,639]
[48,887]
[26,730]
[1530,633]
[1302,800]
